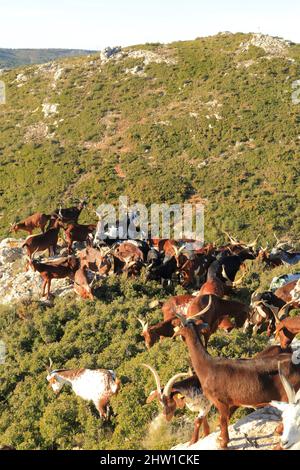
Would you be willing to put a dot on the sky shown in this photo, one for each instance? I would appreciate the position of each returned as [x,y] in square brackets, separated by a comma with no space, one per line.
[95,24]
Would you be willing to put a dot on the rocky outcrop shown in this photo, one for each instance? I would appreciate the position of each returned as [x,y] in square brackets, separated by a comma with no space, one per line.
[148,57]
[16,284]
[254,432]
[273,46]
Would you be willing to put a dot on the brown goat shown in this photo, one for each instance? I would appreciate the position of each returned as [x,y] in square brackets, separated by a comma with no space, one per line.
[214,310]
[287,329]
[82,287]
[32,222]
[285,293]
[78,233]
[52,271]
[44,241]
[180,304]
[230,383]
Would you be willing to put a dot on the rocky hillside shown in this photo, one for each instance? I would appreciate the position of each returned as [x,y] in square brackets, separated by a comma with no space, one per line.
[209,120]
[10,58]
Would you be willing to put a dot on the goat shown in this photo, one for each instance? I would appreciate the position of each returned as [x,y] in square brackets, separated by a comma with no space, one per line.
[289,293]
[264,308]
[180,303]
[231,383]
[82,287]
[44,241]
[153,334]
[214,285]
[70,214]
[163,272]
[52,271]
[286,330]
[97,385]
[177,394]
[165,329]
[37,220]
[213,310]
[290,439]
[78,233]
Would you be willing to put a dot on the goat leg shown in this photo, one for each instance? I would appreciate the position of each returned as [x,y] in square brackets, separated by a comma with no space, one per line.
[197,424]
[224,417]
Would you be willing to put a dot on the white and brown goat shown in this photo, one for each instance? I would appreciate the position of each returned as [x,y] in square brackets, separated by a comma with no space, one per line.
[97,385]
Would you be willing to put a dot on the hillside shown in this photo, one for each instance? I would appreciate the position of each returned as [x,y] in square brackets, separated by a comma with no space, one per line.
[209,120]
[10,58]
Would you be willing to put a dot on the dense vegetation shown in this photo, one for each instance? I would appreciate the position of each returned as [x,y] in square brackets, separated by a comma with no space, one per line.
[10,58]
[104,334]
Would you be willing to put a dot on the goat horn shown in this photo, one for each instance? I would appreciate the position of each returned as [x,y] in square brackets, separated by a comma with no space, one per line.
[199,314]
[282,312]
[260,310]
[239,281]
[182,318]
[253,244]
[289,390]
[234,241]
[144,324]
[49,368]
[157,379]
[170,383]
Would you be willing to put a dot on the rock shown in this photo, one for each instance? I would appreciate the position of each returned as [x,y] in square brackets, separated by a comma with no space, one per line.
[254,432]
[273,46]
[16,284]
[37,133]
[110,52]
[49,109]
[10,250]
[116,53]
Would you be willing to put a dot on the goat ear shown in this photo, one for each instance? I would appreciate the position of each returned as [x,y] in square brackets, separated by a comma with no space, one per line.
[179,400]
[152,396]
[281,406]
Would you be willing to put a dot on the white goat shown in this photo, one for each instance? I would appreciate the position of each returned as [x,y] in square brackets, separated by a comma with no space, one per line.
[93,385]
[290,439]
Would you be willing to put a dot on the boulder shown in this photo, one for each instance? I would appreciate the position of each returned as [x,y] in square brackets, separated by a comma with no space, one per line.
[254,432]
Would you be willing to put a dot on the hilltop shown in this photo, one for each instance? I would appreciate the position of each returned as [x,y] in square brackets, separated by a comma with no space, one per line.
[209,120]
[10,58]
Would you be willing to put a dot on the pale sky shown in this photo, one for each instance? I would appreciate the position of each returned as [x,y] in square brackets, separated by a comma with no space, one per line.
[95,24]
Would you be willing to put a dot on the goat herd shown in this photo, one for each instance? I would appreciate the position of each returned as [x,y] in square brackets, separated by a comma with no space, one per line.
[271,377]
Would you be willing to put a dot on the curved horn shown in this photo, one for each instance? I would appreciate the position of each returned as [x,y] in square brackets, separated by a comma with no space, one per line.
[144,324]
[282,312]
[239,281]
[157,379]
[260,310]
[253,244]
[289,390]
[182,318]
[168,388]
[49,368]
[199,314]
[233,241]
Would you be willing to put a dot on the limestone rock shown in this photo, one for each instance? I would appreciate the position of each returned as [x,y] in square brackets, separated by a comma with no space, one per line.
[254,432]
